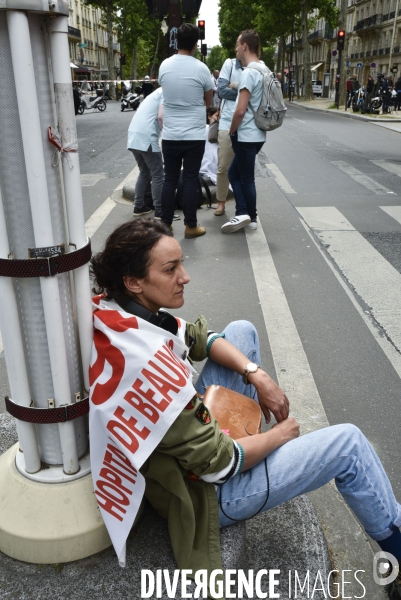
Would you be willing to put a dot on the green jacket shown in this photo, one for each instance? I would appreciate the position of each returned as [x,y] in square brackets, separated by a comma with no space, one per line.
[194,444]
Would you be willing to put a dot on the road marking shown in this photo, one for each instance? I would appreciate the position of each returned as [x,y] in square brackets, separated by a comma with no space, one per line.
[392,354]
[388,166]
[359,177]
[393,211]
[101,214]
[279,178]
[299,120]
[373,278]
[292,367]
[325,218]
[89,179]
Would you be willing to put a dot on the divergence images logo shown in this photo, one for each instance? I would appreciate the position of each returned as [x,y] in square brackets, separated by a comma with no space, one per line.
[381,565]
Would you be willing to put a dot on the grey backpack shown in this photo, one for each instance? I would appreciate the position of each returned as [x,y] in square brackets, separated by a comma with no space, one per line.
[272,109]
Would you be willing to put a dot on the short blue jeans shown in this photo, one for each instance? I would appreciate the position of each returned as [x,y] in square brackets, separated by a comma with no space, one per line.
[340,452]
[241,175]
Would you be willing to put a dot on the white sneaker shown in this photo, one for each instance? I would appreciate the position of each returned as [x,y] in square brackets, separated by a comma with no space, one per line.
[236,223]
[252,225]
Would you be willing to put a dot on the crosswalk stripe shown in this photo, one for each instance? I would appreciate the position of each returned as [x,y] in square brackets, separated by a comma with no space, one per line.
[325,218]
[292,367]
[374,279]
[101,214]
[388,166]
[279,178]
[359,177]
[393,211]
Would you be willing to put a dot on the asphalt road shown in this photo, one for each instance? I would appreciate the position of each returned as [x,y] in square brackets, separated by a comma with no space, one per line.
[347,330]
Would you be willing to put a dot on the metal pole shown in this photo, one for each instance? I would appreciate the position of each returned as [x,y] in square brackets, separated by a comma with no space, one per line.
[23,67]
[15,356]
[337,98]
[58,30]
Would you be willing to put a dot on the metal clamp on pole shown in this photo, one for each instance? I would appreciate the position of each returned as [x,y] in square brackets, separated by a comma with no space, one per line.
[46,262]
[41,416]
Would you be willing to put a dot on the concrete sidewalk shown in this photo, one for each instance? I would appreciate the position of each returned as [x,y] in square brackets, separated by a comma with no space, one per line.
[390,121]
[311,534]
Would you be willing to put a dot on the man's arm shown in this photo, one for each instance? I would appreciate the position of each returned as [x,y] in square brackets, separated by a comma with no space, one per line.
[240,111]
[160,116]
[208,96]
[271,396]
[225,91]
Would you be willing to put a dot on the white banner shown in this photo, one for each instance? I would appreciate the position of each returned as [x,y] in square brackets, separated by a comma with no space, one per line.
[140,381]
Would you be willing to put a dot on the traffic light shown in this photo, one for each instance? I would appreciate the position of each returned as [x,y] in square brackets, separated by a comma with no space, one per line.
[122,59]
[204,49]
[340,39]
[201,27]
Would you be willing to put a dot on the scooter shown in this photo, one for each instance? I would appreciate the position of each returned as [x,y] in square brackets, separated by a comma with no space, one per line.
[94,102]
[128,99]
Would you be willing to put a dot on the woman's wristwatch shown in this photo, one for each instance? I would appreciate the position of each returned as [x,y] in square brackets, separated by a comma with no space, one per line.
[250,368]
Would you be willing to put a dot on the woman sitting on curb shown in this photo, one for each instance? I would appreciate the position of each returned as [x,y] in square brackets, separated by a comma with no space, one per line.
[146,413]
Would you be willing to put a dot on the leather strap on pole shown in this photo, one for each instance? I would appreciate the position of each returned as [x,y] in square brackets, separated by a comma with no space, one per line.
[41,416]
[47,266]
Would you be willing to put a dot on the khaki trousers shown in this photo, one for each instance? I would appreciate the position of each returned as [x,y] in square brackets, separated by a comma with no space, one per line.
[225,155]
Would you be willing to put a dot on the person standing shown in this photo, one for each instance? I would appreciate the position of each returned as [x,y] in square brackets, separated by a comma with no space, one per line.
[215,84]
[187,88]
[230,77]
[246,138]
[398,90]
[368,94]
[143,141]
[147,87]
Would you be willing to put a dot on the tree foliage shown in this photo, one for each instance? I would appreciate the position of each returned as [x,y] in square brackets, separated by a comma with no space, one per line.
[216,58]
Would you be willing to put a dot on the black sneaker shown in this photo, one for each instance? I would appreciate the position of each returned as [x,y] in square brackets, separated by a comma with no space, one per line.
[142,210]
[158,215]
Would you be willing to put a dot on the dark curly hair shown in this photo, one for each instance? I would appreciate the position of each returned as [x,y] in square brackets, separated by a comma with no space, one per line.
[127,252]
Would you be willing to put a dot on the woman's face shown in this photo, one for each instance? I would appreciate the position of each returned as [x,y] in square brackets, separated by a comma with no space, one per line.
[164,284]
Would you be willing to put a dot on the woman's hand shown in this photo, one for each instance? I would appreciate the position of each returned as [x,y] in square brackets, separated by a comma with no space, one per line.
[257,447]
[271,397]
[289,429]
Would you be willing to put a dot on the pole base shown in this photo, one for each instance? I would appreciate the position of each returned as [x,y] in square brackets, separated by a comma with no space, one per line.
[48,523]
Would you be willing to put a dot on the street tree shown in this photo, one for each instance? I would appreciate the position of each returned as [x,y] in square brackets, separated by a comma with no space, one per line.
[216,58]
[109,7]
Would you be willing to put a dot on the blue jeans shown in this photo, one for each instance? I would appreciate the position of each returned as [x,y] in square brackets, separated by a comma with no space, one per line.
[340,452]
[241,175]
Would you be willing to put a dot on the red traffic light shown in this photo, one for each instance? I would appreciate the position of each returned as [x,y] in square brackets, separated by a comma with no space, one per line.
[340,39]
[201,27]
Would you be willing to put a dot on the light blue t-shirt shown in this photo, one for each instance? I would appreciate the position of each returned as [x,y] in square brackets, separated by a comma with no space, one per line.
[184,80]
[144,130]
[230,71]
[251,80]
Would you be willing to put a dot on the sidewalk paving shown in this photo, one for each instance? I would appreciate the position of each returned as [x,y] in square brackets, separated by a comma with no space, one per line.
[390,121]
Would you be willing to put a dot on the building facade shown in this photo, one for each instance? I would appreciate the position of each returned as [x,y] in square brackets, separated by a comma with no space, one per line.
[88,42]
[372,44]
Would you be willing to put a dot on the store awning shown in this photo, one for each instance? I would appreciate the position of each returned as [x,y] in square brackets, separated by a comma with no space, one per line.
[316,66]
[73,66]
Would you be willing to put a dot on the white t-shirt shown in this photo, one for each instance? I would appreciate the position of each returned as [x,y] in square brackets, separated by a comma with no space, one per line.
[144,130]
[230,71]
[184,80]
[251,80]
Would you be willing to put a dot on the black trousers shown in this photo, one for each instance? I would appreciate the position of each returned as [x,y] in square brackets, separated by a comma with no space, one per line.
[187,154]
